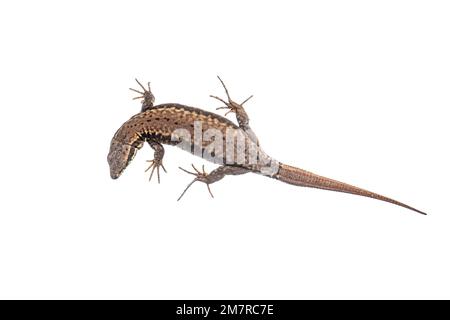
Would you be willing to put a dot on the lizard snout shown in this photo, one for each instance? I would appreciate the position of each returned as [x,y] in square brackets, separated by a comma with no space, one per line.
[119,156]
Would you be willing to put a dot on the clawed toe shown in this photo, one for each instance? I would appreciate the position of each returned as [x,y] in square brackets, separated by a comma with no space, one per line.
[147,97]
[230,105]
[155,164]
[201,176]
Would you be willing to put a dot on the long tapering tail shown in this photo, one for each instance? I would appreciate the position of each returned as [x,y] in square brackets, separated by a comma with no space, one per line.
[305,178]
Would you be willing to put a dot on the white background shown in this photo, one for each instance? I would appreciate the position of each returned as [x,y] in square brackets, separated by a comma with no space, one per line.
[354,90]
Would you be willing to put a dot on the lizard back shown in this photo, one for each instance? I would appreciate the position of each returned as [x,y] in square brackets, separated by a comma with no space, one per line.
[200,132]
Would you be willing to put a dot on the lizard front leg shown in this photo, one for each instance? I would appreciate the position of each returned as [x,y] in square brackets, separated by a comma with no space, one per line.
[158,156]
[241,116]
[148,99]
[213,176]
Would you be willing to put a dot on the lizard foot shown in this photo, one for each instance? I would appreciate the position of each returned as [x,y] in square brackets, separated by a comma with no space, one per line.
[230,105]
[155,164]
[201,176]
[147,97]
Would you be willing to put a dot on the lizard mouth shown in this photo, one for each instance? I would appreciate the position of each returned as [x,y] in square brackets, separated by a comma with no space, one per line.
[115,175]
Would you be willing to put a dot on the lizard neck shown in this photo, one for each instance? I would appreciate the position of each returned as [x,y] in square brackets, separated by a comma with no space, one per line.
[130,134]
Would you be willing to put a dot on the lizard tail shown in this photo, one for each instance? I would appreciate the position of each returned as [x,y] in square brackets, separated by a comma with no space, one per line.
[305,178]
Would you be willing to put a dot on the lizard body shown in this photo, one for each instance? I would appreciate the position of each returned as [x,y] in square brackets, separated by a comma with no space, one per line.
[214,138]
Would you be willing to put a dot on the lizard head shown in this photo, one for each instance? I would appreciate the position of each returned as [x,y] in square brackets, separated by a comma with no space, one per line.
[119,156]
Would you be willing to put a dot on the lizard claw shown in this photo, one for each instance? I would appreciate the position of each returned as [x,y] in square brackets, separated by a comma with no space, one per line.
[155,164]
[201,176]
[147,97]
[230,105]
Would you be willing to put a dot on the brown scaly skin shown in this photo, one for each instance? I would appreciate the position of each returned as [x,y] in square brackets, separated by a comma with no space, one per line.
[157,125]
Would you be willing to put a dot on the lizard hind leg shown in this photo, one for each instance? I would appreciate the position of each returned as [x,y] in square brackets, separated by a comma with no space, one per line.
[213,176]
[199,176]
[241,115]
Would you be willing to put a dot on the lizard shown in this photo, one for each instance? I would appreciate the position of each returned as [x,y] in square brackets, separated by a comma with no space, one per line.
[187,127]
